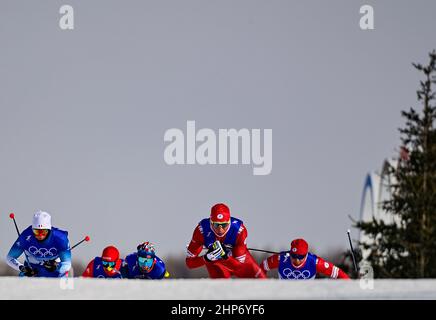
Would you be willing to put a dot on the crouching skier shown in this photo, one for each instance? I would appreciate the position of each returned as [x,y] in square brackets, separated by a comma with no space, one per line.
[144,264]
[46,249]
[225,238]
[106,266]
[300,264]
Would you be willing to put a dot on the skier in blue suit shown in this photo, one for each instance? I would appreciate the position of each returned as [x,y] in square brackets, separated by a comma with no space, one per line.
[144,264]
[46,249]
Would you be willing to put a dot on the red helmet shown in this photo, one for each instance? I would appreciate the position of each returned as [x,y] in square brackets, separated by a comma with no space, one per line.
[220,213]
[299,246]
[110,254]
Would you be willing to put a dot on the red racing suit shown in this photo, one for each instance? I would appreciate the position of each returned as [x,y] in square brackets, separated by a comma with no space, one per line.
[239,263]
[95,270]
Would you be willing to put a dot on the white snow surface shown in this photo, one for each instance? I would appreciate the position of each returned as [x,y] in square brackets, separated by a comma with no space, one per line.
[198,289]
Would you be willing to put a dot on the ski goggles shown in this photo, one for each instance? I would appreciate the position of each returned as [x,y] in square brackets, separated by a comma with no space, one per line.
[40,232]
[108,264]
[216,225]
[145,262]
[298,256]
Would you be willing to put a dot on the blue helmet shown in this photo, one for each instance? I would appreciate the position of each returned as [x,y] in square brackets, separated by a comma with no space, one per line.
[146,249]
[146,256]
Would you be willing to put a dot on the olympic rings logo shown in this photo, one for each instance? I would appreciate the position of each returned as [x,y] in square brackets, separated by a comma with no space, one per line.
[296,274]
[43,252]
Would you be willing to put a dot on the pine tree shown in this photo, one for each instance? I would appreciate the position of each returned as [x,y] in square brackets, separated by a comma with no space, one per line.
[405,245]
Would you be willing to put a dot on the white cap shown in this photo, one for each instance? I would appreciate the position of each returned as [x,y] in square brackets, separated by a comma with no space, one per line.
[41,220]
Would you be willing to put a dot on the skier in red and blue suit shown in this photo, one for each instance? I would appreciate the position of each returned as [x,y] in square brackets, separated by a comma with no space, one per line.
[300,264]
[106,266]
[144,264]
[225,238]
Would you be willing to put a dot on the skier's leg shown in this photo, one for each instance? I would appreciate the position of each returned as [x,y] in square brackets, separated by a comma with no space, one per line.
[258,272]
[217,270]
[250,269]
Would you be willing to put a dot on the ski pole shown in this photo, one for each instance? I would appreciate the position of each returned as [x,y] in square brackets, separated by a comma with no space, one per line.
[87,238]
[267,251]
[12,216]
[352,251]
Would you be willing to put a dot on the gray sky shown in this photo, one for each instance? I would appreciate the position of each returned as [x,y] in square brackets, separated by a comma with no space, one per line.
[83,113]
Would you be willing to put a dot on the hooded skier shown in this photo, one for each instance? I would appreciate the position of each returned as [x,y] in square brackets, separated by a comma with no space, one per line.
[46,249]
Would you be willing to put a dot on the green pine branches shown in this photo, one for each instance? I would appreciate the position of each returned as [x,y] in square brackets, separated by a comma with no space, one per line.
[405,246]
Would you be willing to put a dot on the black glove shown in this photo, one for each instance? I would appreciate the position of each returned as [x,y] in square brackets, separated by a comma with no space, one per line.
[50,265]
[28,271]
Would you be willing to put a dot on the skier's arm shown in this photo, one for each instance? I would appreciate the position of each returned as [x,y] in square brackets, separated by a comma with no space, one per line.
[271,262]
[160,266]
[89,271]
[64,249]
[329,269]
[125,269]
[193,260]
[65,264]
[13,255]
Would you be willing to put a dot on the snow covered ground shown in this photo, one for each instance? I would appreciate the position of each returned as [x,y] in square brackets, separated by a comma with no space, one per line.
[192,289]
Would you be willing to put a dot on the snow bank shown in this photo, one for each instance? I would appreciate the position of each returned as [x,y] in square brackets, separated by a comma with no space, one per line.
[191,289]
